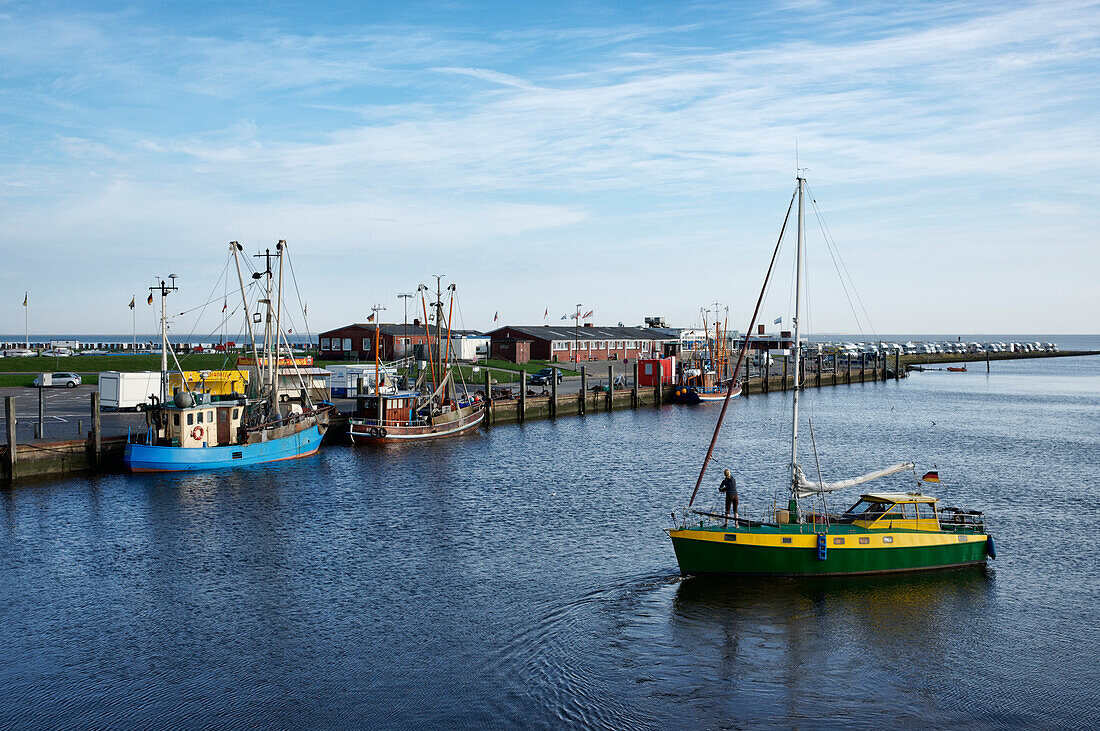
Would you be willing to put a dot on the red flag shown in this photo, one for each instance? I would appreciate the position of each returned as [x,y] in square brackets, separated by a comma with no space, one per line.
[495,314]
[588,314]
[225,305]
[931,476]
[370,318]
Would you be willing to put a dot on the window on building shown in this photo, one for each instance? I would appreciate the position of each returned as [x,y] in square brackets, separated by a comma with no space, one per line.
[366,343]
[336,343]
[324,343]
[347,343]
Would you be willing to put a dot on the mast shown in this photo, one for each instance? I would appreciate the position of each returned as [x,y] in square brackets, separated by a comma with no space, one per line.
[278,328]
[235,246]
[797,342]
[377,381]
[164,290]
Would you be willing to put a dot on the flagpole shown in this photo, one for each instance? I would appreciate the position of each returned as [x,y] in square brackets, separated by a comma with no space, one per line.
[26,322]
[133,313]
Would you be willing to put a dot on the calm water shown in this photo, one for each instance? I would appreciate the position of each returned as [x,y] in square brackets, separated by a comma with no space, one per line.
[521,577]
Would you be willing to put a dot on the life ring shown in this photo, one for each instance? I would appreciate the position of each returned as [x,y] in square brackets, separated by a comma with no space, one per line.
[373,431]
[197,432]
[382,432]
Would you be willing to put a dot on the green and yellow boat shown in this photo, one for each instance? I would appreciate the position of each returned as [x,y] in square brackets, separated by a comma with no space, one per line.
[883,532]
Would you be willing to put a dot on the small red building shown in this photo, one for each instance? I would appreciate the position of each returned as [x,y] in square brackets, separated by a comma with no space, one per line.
[516,351]
[569,344]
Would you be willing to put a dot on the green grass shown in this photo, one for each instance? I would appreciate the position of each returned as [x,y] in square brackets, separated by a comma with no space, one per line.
[17,379]
[83,364]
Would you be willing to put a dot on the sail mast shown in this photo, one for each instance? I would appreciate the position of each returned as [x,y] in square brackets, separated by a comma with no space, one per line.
[278,329]
[797,342]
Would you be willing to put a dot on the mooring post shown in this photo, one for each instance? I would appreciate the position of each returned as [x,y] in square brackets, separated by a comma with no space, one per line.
[358,387]
[97,443]
[488,397]
[987,360]
[554,392]
[862,367]
[634,387]
[41,415]
[659,396]
[784,373]
[584,388]
[522,395]
[897,365]
[9,414]
[610,385]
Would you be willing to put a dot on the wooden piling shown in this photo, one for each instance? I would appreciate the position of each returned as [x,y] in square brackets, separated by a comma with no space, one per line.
[9,413]
[862,367]
[897,365]
[987,360]
[610,387]
[660,395]
[819,370]
[634,388]
[522,395]
[848,368]
[784,373]
[41,431]
[97,432]
[584,388]
[554,392]
[488,397]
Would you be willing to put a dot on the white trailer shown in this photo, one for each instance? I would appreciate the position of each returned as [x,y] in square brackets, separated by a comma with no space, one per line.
[120,390]
[345,378]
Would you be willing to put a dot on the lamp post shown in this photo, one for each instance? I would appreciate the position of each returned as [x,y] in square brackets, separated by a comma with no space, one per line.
[576,334]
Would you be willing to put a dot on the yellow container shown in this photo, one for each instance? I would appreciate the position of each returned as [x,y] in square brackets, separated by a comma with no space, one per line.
[215,383]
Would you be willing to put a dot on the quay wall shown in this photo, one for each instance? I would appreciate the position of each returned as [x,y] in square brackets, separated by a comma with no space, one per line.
[37,460]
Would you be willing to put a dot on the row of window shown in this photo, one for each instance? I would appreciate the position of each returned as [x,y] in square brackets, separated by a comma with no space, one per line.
[598,344]
[345,343]
[192,420]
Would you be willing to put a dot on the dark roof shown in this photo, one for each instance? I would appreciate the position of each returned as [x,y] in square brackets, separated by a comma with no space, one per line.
[398,330]
[553,332]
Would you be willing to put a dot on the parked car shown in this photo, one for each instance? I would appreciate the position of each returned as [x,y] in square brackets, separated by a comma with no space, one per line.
[68,380]
[544,377]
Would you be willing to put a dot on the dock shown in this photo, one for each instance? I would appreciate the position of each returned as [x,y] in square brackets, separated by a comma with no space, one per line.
[99,452]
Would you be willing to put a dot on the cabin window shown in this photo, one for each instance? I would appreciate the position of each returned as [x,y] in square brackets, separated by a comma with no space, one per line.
[910,511]
[190,419]
[235,413]
[838,541]
[926,511]
[962,539]
[894,512]
[200,418]
[864,540]
[175,419]
[786,539]
[731,536]
[887,539]
[864,510]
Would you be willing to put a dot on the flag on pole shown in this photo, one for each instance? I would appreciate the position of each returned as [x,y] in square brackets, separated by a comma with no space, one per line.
[587,314]
[225,305]
[150,300]
[565,317]
[24,299]
[495,315]
[777,321]
[370,317]
[546,314]
[132,300]
[931,476]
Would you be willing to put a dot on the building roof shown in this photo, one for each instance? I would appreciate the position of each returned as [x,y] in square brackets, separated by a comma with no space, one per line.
[399,329]
[554,332]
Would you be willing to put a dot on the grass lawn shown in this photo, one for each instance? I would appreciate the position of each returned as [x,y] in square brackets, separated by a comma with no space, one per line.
[83,364]
[17,379]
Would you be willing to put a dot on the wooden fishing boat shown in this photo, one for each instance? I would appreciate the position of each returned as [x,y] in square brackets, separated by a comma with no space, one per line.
[435,408]
[196,430]
[699,378]
[957,369]
[882,532]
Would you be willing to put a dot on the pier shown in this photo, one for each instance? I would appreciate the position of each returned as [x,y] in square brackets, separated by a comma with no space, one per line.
[101,448]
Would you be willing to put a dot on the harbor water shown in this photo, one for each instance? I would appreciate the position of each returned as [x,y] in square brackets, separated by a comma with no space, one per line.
[520,577]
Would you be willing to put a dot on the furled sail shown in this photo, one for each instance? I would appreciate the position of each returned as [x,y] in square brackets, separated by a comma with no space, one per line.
[806,487]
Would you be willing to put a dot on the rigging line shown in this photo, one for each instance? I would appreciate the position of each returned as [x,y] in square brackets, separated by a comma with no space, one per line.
[741,355]
[833,255]
[209,298]
[855,290]
[298,292]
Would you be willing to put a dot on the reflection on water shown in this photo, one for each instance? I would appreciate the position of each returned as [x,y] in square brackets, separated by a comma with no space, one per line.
[520,577]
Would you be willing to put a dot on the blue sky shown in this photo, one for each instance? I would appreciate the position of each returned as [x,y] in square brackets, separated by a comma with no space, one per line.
[634,157]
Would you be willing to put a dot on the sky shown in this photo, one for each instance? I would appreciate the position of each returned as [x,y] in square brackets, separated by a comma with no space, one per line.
[637,158]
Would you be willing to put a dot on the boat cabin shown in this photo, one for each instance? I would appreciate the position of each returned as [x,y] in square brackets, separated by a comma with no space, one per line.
[208,425]
[894,511]
[397,408]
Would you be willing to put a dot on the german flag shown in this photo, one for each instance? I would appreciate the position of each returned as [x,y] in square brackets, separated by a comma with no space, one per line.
[931,476]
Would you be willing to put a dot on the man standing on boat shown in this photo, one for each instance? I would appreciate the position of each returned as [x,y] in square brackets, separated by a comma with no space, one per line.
[729,486]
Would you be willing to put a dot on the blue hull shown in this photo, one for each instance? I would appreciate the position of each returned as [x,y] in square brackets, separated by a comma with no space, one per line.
[145,458]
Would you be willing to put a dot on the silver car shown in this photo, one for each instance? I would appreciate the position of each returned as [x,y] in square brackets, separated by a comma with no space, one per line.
[68,380]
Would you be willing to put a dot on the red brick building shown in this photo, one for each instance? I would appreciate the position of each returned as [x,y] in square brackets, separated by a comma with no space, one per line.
[565,344]
[356,341]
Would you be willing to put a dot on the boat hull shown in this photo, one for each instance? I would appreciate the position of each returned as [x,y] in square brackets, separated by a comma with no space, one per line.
[690,395]
[152,458]
[362,431]
[712,552]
